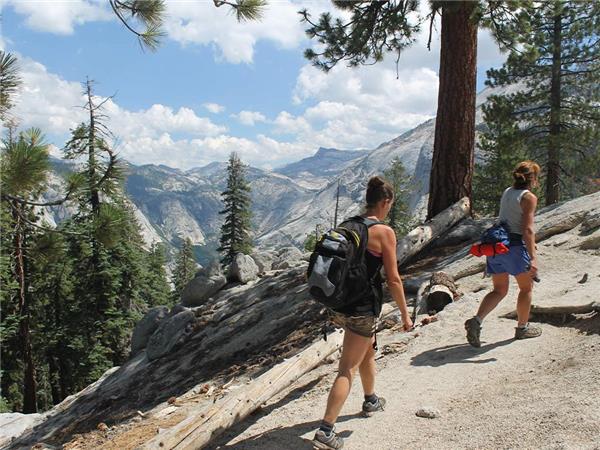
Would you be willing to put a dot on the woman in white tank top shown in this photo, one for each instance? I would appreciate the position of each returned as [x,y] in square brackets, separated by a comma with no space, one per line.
[517,210]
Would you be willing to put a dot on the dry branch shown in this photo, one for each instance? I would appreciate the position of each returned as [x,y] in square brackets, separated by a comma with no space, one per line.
[204,425]
[560,310]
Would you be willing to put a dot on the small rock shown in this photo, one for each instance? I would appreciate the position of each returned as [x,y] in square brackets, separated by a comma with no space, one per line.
[102,426]
[172,400]
[428,413]
[583,279]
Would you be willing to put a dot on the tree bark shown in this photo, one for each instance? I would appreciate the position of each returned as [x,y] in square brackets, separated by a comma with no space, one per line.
[453,149]
[553,171]
[29,384]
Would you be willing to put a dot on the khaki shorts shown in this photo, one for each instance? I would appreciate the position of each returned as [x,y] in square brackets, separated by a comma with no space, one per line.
[361,325]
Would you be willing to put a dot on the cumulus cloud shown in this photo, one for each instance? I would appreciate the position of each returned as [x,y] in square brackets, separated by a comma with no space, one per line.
[214,108]
[249,118]
[60,16]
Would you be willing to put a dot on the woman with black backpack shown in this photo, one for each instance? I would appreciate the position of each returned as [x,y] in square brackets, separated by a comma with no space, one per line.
[517,211]
[359,319]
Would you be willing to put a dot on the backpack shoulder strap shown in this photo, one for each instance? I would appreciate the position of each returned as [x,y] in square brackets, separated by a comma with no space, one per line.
[368,222]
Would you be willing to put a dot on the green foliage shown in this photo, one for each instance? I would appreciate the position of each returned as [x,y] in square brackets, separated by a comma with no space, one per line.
[10,80]
[235,232]
[185,269]
[548,109]
[145,18]
[373,29]
[158,291]
[310,242]
[24,164]
[399,218]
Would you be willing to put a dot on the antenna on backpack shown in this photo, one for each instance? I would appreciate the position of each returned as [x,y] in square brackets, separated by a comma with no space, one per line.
[337,204]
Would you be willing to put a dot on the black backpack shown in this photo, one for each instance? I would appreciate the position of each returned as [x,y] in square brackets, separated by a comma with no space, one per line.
[337,271]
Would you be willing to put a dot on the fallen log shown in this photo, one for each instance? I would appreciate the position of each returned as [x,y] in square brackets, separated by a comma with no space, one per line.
[560,310]
[204,425]
[417,239]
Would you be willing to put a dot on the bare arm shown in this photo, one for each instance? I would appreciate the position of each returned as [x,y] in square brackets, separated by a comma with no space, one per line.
[388,250]
[528,205]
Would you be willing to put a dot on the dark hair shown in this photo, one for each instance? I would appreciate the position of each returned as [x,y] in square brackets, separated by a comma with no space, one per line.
[525,173]
[378,189]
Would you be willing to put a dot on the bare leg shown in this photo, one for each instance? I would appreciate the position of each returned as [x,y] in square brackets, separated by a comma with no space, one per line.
[491,300]
[353,352]
[367,370]
[524,300]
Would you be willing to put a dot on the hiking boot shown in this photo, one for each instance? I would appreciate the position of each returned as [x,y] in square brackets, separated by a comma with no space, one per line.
[324,441]
[473,328]
[530,331]
[369,408]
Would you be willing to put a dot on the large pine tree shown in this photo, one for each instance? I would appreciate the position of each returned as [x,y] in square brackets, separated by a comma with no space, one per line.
[24,166]
[235,232]
[549,110]
[376,28]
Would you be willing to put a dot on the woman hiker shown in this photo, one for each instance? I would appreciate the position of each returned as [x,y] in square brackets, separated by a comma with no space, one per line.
[358,350]
[517,210]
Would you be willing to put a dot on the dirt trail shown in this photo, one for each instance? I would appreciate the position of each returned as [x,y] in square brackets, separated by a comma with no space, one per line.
[538,393]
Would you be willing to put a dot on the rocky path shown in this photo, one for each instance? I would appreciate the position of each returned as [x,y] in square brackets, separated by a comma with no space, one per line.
[539,393]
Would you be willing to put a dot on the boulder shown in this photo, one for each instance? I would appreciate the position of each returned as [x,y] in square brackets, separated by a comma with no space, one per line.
[203,286]
[15,424]
[287,257]
[263,260]
[171,333]
[146,327]
[243,269]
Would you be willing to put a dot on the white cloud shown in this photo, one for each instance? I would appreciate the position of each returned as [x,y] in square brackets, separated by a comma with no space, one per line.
[214,108]
[60,16]
[201,23]
[250,118]
[286,123]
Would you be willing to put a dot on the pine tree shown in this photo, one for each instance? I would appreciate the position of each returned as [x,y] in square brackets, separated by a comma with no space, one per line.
[185,269]
[552,109]
[158,291]
[399,218]
[502,146]
[235,232]
[376,28]
[24,167]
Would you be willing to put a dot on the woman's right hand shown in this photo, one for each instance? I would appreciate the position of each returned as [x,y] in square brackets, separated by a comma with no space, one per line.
[407,323]
[533,268]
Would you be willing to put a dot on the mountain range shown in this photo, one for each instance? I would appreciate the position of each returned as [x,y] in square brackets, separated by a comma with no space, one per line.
[287,203]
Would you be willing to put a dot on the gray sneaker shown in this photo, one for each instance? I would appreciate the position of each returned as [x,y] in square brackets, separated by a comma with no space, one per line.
[323,441]
[369,408]
[473,328]
[530,331]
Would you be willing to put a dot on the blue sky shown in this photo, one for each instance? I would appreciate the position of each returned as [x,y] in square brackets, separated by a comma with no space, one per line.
[214,85]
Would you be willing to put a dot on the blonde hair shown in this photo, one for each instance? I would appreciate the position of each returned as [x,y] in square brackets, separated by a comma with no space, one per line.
[525,173]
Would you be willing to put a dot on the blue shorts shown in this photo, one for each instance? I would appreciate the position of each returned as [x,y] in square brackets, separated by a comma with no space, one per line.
[515,262]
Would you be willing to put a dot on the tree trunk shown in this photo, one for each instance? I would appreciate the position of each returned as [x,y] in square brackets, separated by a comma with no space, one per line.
[29,384]
[417,239]
[453,149]
[553,171]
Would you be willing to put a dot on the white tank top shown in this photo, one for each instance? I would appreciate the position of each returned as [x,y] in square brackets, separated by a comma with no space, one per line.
[510,209]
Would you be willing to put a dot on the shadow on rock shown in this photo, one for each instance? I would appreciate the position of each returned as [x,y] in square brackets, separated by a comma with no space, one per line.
[456,354]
